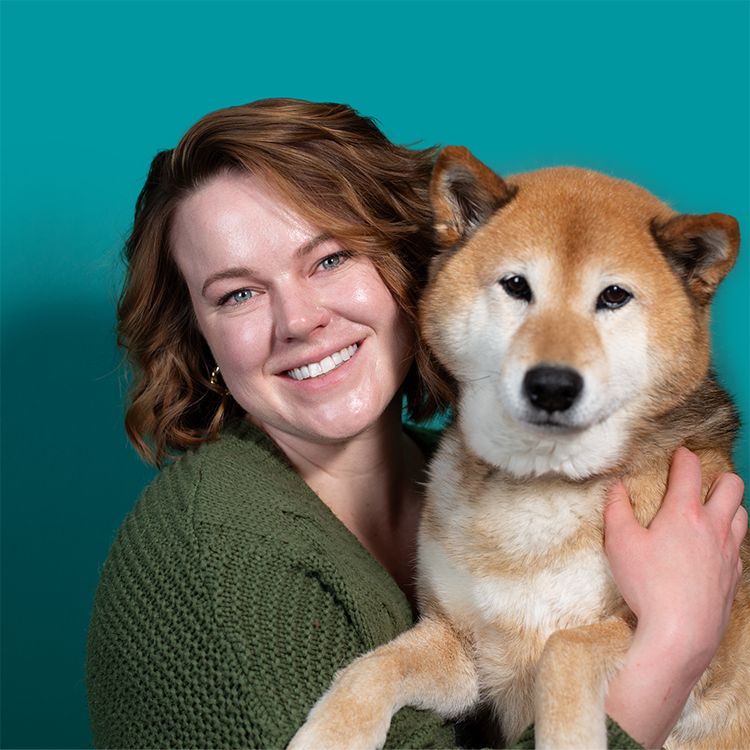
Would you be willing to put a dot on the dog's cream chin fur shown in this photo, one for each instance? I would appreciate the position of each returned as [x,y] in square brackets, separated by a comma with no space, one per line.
[526,451]
[605,290]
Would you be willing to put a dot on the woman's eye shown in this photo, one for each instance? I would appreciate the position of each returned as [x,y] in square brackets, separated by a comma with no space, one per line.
[613,297]
[237,297]
[517,287]
[332,261]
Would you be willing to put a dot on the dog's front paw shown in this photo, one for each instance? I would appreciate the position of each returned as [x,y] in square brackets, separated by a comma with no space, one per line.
[328,729]
[311,738]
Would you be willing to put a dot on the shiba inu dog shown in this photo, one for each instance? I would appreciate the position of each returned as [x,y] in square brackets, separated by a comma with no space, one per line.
[572,310]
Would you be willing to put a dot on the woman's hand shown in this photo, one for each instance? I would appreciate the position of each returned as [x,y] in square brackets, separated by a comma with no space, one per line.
[680,577]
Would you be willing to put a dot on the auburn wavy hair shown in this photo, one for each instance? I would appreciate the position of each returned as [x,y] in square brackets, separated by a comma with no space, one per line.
[341,174]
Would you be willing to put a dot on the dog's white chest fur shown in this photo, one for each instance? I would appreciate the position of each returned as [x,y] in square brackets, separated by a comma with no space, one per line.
[529,552]
[542,602]
[510,561]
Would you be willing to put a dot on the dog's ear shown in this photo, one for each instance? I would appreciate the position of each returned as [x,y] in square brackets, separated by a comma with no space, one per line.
[464,194]
[701,249]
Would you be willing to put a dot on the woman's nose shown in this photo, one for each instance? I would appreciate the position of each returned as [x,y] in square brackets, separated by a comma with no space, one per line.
[298,313]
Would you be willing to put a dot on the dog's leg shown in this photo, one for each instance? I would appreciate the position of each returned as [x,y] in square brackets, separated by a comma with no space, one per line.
[427,667]
[571,684]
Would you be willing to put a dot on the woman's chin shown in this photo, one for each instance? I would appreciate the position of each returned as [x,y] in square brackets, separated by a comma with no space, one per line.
[322,429]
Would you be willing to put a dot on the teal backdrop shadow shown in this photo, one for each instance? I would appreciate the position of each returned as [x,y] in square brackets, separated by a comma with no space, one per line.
[656,93]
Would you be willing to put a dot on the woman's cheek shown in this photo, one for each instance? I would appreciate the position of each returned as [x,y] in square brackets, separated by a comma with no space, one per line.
[239,348]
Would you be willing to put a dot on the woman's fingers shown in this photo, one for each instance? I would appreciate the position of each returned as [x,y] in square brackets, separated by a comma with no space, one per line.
[618,513]
[684,483]
[724,506]
[724,499]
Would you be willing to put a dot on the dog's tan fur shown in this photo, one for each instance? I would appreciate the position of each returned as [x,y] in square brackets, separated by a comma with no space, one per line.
[519,609]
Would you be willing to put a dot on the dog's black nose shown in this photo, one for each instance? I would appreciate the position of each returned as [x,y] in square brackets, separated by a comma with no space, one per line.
[552,388]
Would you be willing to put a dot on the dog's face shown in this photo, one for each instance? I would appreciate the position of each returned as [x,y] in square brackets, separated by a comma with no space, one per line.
[570,307]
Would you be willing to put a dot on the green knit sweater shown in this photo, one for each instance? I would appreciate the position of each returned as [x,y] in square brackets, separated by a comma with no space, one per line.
[229,599]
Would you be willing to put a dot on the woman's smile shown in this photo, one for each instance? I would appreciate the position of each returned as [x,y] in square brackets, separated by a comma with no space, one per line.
[326,365]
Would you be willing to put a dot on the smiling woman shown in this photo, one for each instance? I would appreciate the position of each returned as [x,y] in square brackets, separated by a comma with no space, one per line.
[269,319]
[274,297]
[319,169]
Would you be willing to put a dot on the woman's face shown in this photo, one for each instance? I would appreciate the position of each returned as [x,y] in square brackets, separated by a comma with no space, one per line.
[309,339]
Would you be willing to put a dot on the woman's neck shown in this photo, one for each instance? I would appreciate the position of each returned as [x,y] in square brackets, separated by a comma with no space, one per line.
[372,482]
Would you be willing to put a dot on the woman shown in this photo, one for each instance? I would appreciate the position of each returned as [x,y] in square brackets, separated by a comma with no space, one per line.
[269,314]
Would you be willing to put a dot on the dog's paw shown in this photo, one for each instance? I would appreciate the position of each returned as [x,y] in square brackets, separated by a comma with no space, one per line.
[321,732]
[345,718]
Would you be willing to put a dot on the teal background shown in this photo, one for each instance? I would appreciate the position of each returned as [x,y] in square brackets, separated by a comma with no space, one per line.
[654,92]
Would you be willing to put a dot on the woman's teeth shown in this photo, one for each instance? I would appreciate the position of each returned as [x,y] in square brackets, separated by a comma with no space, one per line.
[316,369]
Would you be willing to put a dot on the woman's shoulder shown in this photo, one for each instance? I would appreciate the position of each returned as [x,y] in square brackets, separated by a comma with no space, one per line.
[240,479]
[235,505]
[240,454]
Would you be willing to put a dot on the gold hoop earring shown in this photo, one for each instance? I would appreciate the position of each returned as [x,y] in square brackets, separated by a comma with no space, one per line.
[214,380]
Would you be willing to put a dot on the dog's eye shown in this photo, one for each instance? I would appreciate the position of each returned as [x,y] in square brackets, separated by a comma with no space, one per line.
[517,287]
[613,297]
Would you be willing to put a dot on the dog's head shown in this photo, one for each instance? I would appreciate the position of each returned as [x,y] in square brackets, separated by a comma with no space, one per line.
[569,306]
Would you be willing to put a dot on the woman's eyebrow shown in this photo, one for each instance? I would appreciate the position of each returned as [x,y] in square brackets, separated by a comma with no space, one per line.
[309,246]
[230,273]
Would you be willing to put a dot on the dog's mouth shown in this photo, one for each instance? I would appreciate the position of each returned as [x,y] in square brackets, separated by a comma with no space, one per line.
[549,424]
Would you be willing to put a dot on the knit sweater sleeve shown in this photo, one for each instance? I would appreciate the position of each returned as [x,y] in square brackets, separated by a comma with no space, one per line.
[229,600]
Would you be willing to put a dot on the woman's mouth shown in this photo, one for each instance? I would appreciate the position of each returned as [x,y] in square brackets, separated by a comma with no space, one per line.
[316,369]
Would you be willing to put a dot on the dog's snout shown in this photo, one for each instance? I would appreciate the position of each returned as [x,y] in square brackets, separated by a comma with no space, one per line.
[552,388]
